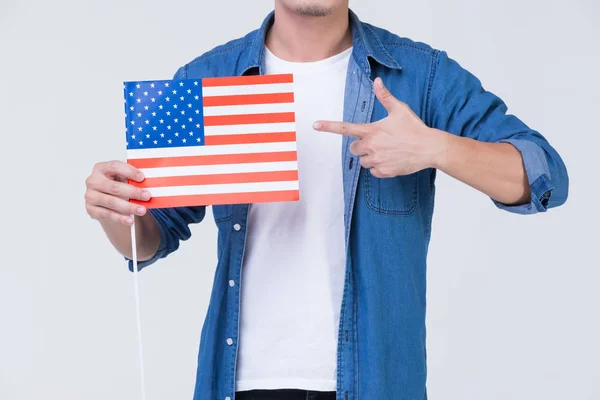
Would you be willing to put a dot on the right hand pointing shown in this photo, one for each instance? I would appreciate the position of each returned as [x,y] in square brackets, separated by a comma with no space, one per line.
[107,193]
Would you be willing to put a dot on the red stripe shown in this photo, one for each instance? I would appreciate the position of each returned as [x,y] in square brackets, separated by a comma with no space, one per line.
[217,179]
[244,99]
[242,119]
[210,199]
[213,159]
[247,80]
[250,138]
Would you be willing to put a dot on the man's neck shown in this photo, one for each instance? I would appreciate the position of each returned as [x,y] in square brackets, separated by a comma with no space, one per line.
[300,38]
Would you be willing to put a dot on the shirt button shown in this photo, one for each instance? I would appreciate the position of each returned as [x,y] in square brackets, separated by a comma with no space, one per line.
[227,398]
[229,341]
[237,227]
[232,283]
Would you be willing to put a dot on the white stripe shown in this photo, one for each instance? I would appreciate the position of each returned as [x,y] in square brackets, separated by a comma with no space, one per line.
[248,89]
[211,150]
[249,109]
[220,169]
[224,188]
[250,128]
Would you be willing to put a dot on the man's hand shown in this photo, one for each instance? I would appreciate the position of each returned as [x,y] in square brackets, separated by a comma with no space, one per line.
[107,192]
[399,144]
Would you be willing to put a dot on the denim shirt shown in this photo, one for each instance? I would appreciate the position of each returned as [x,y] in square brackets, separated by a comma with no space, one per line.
[381,343]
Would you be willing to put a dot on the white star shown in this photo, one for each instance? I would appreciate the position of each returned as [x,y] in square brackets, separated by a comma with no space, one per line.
[160,92]
[168,113]
[191,133]
[174,105]
[148,136]
[130,94]
[162,135]
[154,113]
[183,140]
[190,119]
[147,122]
[169,127]
[180,83]
[174,91]
[145,93]
[139,100]
[161,121]
[153,128]
[152,85]
[160,106]
[197,111]
[182,126]
[153,99]
[167,99]
[139,114]
[182,112]
[181,98]
[197,125]
[156,142]
[196,97]
[189,91]
[131,108]
[137,86]
[127,144]
[132,122]
[167,84]
[195,83]
[169,140]
[133,136]
[140,129]
[190,105]
[176,133]
[198,140]
[145,107]
[141,143]
[176,120]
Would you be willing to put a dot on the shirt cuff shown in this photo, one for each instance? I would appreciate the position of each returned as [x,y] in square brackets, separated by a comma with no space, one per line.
[162,247]
[538,174]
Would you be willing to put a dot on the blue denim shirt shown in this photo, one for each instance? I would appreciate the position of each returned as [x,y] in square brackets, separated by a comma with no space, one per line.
[381,344]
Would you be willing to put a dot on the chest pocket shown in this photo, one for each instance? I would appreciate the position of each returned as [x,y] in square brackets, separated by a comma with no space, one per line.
[392,196]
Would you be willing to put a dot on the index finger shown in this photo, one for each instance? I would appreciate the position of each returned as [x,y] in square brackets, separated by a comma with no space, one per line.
[127,170]
[342,128]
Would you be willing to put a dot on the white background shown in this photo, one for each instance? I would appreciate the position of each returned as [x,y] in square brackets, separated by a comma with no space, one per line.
[513,301]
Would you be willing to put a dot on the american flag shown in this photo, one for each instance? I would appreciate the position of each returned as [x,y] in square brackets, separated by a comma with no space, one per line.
[213,140]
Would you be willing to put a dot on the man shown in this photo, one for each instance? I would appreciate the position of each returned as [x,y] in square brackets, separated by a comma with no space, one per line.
[333,298]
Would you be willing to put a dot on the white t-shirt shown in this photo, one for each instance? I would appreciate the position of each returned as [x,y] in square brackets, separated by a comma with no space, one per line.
[294,262]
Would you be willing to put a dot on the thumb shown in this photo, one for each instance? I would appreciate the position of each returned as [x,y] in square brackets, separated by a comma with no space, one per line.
[388,101]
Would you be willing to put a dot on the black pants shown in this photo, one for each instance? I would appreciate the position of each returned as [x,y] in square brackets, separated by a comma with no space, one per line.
[284,394]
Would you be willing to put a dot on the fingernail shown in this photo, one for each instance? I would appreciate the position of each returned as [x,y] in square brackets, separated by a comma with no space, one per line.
[140,210]
[379,82]
[128,220]
[145,195]
[140,176]
[317,125]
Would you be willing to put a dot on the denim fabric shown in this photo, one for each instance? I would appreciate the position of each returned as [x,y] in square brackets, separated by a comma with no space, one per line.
[284,394]
[381,344]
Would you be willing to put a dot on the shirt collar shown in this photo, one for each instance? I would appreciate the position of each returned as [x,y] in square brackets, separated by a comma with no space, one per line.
[365,44]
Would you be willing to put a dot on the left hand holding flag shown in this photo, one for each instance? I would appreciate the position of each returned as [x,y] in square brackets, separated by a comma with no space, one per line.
[399,144]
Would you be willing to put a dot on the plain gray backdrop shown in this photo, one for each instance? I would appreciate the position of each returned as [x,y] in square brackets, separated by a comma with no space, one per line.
[512,300]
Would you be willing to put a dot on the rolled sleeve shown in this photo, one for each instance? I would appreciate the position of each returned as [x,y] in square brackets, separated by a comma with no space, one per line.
[162,247]
[173,225]
[538,175]
[461,106]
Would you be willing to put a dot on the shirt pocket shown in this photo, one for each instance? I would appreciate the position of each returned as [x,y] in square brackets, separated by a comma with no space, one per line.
[222,212]
[391,196]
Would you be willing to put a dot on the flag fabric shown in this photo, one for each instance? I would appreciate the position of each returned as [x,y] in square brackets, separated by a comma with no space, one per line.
[214,140]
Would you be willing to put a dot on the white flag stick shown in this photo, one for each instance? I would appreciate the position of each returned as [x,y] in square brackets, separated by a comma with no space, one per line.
[136,289]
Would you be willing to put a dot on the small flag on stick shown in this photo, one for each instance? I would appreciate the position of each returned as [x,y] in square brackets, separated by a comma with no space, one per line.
[213,140]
